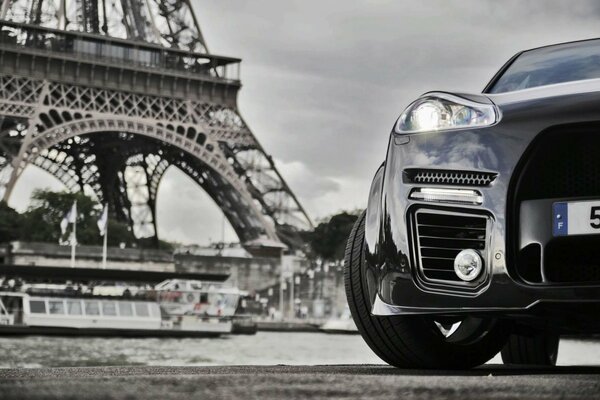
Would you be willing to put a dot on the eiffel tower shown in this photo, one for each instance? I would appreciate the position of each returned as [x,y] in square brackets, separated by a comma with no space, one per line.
[106,95]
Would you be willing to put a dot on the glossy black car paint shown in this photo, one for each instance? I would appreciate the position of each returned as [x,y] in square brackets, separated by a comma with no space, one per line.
[503,148]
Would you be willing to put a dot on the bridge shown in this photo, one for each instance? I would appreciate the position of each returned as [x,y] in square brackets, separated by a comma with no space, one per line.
[106,96]
[48,262]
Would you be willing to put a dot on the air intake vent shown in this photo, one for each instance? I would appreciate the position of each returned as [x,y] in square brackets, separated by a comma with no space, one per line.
[449,177]
[441,235]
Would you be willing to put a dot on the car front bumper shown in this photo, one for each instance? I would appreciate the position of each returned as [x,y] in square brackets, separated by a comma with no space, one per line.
[392,257]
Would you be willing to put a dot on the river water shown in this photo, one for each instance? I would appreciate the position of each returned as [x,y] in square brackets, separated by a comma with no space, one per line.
[265,348]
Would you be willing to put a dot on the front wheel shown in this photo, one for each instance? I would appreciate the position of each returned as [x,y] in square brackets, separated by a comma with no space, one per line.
[537,348]
[415,341]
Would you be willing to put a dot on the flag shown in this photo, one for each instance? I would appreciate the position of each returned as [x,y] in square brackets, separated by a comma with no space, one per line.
[103,220]
[69,218]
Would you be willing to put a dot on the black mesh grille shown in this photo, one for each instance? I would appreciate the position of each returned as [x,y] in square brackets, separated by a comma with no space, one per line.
[449,177]
[563,164]
[440,237]
[573,259]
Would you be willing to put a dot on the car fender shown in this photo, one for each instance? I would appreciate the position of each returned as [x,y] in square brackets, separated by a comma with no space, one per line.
[373,216]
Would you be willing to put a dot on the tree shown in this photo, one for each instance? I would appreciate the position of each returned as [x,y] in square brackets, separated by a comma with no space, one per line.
[47,209]
[10,223]
[328,240]
[41,222]
[119,232]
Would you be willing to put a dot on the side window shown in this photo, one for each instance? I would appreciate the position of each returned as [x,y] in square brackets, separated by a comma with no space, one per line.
[125,309]
[154,310]
[203,297]
[92,308]
[37,306]
[141,309]
[56,307]
[74,307]
[109,308]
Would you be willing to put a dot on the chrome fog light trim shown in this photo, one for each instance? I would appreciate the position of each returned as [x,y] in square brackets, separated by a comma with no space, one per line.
[468,265]
[463,196]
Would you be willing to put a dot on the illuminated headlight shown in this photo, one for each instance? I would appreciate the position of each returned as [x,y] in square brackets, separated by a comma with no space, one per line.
[468,265]
[443,111]
[464,196]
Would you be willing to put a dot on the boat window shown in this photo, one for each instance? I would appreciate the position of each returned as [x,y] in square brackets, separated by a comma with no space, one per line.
[109,308]
[56,307]
[125,309]
[37,306]
[92,308]
[155,310]
[230,300]
[74,307]
[203,297]
[141,309]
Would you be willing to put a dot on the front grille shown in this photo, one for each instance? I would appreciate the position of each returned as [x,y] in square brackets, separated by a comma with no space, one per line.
[563,163]
[449,177]
[574,259]
[441,235]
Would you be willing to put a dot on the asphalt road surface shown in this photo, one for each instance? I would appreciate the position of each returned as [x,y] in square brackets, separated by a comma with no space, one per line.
[299,382]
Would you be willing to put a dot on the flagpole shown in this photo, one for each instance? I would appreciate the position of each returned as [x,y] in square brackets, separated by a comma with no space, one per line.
[74,236]
[104,247]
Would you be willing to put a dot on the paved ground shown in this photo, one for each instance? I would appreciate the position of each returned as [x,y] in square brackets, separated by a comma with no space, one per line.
[295,382]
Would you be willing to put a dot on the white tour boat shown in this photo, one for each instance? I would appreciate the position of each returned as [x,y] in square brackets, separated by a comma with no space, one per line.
[173,308]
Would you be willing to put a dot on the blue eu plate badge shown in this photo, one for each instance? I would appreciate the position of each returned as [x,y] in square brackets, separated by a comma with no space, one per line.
[560,219]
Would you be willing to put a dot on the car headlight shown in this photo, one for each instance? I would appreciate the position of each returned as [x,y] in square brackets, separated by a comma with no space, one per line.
[443,111]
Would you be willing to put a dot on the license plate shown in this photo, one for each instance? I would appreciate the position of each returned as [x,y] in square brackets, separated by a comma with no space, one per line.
[576,218]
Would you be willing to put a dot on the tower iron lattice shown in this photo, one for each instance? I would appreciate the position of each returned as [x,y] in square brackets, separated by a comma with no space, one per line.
[106,95]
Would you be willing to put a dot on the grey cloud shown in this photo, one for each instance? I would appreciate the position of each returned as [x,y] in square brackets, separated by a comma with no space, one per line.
[325,80]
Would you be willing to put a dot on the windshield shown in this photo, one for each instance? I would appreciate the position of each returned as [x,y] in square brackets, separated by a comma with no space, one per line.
[549,65]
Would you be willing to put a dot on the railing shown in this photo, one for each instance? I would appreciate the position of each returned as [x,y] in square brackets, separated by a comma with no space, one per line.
[85,46]
[89,251]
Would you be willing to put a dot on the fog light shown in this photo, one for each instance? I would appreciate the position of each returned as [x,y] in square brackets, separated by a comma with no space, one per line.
[468,265]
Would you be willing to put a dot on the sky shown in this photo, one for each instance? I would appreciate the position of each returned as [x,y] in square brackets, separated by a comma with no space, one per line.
[323,82]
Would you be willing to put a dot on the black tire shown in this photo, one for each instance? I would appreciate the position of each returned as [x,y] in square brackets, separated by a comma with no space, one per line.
[411,341]
[539,348]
